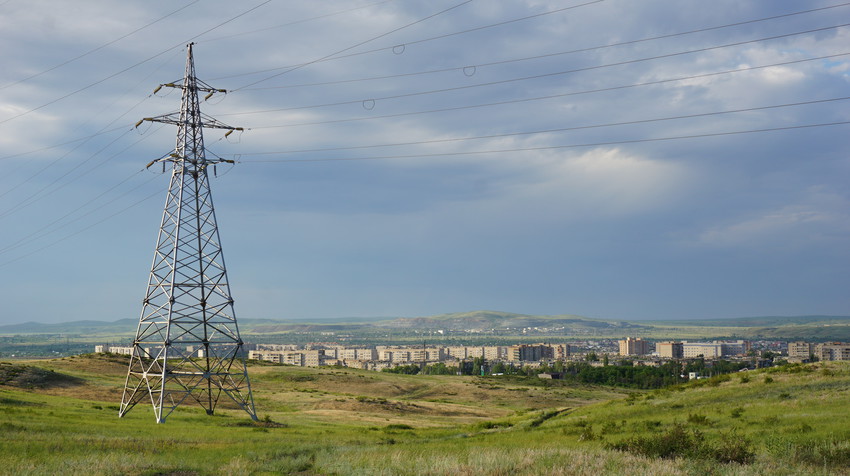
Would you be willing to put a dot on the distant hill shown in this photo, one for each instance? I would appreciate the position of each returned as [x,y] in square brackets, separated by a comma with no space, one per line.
[762,321]
[74,327]
[815,327]
[488,320]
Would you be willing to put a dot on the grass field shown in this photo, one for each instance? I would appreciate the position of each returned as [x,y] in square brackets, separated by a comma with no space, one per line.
[60,416]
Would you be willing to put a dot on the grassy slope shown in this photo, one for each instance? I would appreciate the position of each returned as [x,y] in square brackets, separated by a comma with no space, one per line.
[339,421]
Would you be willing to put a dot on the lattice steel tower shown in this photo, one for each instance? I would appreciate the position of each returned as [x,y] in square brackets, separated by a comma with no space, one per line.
[187,346]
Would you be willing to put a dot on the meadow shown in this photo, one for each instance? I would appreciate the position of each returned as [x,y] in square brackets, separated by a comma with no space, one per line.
[60,416]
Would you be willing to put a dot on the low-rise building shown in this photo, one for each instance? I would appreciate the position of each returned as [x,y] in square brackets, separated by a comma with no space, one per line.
[113,349]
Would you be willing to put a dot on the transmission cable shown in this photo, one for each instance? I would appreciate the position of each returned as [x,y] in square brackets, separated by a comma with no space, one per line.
[552,96]
[337,56]
[543,75]
[43,231]
[360,44]
[296,22]
[99,47]
[29,111]
[551,147]
[581,50]
[49,189]
[530,58]
[561,129]
[70,235]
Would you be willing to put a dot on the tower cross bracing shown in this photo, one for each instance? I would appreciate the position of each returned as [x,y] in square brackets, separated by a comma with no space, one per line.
[187,346]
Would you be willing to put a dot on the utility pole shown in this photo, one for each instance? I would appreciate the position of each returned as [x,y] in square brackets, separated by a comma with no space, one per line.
[187,345]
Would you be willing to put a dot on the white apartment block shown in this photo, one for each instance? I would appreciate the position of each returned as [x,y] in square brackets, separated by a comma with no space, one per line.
[714,350]
[801,350]
[833,351]
[113,349]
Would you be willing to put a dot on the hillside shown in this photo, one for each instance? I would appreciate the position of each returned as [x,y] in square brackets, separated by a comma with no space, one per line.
[784,421]
[505,325]
[493,320]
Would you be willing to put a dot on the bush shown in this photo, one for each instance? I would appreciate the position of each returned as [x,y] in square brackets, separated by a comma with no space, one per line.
[489,425]
[587,434]
[674,443]
[678,442]
[830,451]
[733,448]
[698,419]
[398,426]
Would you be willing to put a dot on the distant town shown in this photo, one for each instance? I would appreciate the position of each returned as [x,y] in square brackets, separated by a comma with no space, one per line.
[638,352]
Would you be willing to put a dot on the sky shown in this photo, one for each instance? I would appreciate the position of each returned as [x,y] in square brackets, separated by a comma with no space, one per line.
[615,159]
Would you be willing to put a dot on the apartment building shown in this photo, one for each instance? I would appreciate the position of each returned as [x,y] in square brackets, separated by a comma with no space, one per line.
[800,350]
[833,351]
[530,353]
[670,350]
[634,346]
[714,350]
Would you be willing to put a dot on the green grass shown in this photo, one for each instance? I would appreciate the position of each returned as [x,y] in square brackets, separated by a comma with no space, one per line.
[347,422]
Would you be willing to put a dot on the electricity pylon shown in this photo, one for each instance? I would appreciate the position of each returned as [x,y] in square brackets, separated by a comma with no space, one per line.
[187,346]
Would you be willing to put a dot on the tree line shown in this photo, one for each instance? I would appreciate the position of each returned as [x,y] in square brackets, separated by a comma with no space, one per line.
[622,373]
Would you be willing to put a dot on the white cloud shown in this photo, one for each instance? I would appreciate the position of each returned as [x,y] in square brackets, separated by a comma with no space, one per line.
[600,183]
[792,226]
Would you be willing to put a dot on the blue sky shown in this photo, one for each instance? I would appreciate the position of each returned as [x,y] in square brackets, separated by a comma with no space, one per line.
[613,159]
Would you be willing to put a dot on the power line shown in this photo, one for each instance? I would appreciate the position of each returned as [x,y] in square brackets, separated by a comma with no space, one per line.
[551,147]
[296,22]
[547,75]
[25,240]
[556,96]
[562,129]
[100,47]
[580,50]
[89,86]
[71,235]
[46,190]
[361,43]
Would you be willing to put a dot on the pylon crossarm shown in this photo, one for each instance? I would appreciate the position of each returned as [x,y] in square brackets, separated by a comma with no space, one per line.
[175,118]
[199,86]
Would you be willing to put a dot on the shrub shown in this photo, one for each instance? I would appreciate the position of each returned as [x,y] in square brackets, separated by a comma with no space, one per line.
[678,442]
[609,427]
[830,451]
[736,412]
[698,419]
[771,420]
[398,426]
[733,448]
[587,434]
[489,425]
[675,442]
[652,424]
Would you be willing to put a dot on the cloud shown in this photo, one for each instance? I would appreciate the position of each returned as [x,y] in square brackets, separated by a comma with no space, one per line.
[455,190]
